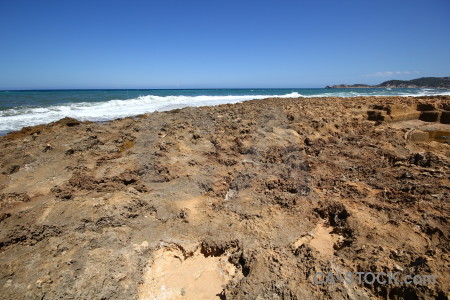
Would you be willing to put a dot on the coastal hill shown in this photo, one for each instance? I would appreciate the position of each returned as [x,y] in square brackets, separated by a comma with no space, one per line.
[424,82]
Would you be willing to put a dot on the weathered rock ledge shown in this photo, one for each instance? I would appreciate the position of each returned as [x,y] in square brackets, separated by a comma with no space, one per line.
[243,201]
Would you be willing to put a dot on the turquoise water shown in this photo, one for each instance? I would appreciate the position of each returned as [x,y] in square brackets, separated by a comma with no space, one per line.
[27,108]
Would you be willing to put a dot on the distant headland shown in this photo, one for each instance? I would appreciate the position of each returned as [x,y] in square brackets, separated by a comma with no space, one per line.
[424,82]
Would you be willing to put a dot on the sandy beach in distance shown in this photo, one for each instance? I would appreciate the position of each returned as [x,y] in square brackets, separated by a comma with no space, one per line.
[236,201]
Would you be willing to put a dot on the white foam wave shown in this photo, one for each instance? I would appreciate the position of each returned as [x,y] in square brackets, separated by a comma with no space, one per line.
[16,118]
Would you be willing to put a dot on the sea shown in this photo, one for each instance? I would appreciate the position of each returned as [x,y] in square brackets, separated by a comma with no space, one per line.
[22,108]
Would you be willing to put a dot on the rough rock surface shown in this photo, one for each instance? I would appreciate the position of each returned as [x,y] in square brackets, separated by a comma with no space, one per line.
[253,198]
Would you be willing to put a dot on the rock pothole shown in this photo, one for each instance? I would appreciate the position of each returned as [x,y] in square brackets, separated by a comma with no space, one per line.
[173,273]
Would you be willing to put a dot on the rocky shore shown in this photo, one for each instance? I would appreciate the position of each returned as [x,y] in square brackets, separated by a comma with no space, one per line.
[242,201]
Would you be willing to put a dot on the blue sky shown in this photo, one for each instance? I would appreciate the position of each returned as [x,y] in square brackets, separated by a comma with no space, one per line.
[207,44]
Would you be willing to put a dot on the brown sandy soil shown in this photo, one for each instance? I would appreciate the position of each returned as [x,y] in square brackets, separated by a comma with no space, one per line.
[243,201]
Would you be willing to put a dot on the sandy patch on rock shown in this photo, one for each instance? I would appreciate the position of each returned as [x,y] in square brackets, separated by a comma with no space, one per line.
[172,275]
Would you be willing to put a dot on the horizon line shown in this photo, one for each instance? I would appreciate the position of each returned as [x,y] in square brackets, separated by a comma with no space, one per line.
[181,89]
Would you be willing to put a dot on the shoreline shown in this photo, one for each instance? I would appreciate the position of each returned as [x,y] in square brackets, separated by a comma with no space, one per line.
[4,133]
[265,191]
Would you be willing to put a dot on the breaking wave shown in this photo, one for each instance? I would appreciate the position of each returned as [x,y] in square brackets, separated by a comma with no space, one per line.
[16,118]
